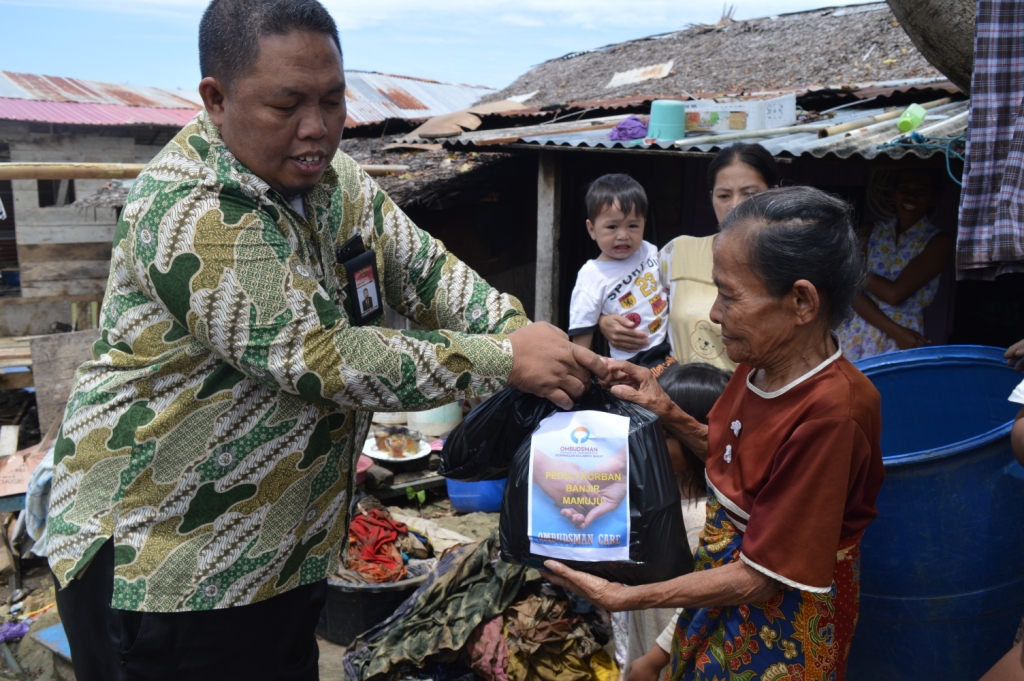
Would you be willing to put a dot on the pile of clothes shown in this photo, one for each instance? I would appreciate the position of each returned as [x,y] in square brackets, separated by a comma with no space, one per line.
[479,618]
[380,548]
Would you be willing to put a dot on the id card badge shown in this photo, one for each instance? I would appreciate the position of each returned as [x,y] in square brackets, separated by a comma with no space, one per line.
[364,288]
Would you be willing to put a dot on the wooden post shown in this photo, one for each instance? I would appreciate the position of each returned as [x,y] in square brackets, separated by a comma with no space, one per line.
[55,358]
[549,219]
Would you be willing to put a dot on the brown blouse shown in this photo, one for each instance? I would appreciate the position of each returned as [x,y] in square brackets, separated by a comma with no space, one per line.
[797,469]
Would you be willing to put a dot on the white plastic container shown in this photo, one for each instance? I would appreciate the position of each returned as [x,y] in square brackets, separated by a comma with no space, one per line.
[439,421]
[395,418]
[729,114]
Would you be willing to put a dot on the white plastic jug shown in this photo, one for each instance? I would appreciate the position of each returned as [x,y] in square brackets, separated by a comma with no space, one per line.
[438,421]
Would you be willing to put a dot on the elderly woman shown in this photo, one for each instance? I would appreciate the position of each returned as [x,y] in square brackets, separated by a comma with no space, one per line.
[792,453]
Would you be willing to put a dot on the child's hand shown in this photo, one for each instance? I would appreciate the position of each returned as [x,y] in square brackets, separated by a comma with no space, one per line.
[1015,355]
[650,666]
[621,333]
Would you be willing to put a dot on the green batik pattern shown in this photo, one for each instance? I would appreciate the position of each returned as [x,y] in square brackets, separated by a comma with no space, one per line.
[214,432]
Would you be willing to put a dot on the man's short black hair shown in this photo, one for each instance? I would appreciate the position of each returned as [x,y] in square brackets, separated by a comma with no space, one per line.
[607,189]
[230,31]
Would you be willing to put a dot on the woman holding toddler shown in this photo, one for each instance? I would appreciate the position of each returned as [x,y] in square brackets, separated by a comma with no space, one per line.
[792,453]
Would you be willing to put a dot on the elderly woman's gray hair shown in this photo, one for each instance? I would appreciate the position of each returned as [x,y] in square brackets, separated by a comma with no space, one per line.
[805,234]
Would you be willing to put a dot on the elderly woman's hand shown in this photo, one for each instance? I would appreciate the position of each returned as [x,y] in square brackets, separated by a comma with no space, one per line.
[638,385]
[621,333]
[602,593]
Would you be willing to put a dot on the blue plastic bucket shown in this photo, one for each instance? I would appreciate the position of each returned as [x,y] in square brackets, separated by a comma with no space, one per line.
[942,572]
[474,497]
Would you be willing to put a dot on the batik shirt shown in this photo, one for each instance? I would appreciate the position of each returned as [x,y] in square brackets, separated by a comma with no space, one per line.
[213,434]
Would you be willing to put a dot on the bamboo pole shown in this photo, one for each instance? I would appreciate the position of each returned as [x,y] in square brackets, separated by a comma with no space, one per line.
[70,171]
[380,171]
[118,171]
[887,116]
[749,134]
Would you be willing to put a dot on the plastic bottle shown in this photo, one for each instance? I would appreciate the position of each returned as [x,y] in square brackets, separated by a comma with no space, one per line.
[911,118]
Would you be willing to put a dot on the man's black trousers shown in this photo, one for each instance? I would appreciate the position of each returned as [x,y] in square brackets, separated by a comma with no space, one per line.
[272,640]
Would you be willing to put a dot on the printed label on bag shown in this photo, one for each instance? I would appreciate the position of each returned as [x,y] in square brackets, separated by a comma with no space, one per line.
[579,496]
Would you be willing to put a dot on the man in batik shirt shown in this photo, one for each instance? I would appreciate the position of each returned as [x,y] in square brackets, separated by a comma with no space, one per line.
[203,471]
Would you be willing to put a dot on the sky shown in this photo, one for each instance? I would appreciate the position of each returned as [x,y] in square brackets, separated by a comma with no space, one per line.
[480,42]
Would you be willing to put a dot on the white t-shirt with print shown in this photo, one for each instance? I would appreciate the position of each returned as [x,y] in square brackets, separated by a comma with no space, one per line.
[1017,395]
[631,288]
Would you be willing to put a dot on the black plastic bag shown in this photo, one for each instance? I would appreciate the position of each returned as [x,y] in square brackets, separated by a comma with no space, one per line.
[495,441]
[483,445]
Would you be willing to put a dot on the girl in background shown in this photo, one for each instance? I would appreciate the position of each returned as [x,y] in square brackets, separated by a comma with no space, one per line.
[695,388]
[905,256]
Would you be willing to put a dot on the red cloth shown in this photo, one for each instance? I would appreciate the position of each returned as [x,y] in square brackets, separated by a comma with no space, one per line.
[371,532]
[804,469]
[372,551]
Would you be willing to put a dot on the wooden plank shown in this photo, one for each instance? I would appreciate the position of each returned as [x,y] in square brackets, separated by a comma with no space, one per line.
[414,480]
[549,219]
[51,252]
[32,272]
[55,358]
[60,216]
[64,234]
[16,380]
[16,301]
[74,287]
[16,354]
[8,440]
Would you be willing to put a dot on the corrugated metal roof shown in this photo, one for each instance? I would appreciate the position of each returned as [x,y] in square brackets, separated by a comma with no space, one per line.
[945,121]
[57,89]
[376,97]
[78,113]
[866,90]
[371,98]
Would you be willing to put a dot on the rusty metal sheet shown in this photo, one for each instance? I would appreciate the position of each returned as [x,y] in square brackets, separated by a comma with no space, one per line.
[371,97]
[79,113]
[375,97]
[59,89]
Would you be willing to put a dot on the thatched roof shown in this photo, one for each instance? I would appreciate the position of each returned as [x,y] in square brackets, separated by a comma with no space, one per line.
[432,174]
[826,47]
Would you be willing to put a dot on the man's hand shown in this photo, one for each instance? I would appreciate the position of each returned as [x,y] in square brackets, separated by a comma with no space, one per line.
[1015,355]
[546,364]
[602,593]
[621,334]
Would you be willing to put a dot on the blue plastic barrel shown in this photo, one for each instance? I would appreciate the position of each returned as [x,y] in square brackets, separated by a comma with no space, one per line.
[942,571]
[472,497]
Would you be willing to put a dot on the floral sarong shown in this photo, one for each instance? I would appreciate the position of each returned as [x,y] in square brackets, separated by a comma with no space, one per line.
[796,636]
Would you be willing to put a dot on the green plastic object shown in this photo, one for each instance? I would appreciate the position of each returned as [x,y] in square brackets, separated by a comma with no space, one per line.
[912,118]
[668,120]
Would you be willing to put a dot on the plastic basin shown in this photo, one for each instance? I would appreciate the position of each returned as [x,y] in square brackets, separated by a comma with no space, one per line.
[473,497]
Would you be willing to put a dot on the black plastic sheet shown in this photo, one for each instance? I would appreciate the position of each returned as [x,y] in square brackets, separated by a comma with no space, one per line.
[494,441]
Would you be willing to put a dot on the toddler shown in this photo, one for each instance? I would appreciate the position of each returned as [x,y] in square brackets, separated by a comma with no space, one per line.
[624,279]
